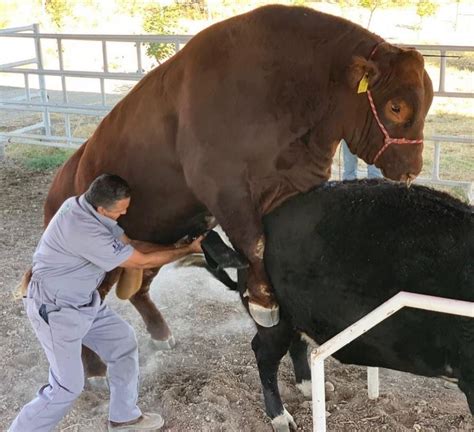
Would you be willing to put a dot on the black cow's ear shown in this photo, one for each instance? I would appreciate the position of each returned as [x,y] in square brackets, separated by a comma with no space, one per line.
[361,69]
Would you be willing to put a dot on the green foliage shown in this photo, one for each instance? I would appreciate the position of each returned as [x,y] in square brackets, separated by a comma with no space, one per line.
[426,8]
[464,62]
[38,158]
[373,4]
[130,7]
[298,2]
[7,9]
[58,10]
[161,20]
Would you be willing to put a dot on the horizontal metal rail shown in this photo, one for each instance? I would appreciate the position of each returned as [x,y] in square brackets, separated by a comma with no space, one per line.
[182,39]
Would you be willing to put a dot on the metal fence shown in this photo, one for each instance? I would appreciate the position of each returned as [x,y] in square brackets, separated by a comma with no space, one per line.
[42,132]
[381,313]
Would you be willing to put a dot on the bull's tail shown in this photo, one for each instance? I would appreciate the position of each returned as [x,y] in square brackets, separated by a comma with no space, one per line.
[20,290]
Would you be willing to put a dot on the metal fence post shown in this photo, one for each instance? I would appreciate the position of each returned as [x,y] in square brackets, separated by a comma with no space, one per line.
[41,79]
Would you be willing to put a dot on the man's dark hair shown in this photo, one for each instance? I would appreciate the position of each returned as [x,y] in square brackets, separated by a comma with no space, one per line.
[106,190]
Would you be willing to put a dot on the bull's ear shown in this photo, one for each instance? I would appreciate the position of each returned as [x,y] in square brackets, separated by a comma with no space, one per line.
[359,68]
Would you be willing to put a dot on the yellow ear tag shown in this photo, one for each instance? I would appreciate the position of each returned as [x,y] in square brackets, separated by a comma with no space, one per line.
[363,84]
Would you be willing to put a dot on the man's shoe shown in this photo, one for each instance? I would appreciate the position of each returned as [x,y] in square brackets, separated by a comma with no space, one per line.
[146,422]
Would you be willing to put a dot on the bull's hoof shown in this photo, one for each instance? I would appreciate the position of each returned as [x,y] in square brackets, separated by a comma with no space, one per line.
[97,383]
[284,422]
[265,317]
[162,345]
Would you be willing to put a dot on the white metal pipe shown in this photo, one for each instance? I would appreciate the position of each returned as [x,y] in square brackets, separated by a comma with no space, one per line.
[319,395]
[79,74]
[27,88]
[437,304]
[42,83]
[182,39]
[442,71]
[40,137]
[397,302]
[373,382]
[105,61]
[67,125]
[60,143]
[18,63]
[139,56]
[55,107]
[29,128]
[436,155]
[13,30]
[424,180]
[450,139]
[102,92]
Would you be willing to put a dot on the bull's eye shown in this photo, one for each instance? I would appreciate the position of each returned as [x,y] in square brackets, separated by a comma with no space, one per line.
[396,108]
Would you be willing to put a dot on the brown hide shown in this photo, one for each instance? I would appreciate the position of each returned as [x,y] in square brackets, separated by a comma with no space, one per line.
[247,114]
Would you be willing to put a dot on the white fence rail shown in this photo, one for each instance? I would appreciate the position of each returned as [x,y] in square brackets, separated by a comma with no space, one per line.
[397,302]
[42,132]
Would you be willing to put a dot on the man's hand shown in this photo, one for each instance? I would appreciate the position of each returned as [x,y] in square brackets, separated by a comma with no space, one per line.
[148,255]
[195,245]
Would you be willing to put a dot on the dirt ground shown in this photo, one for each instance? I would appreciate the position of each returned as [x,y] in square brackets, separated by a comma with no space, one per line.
[209,381]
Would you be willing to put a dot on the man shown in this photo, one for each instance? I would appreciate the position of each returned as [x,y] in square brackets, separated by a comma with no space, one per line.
[350,165]
[82,242]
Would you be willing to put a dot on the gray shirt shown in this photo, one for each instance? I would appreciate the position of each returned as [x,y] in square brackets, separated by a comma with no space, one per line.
[76,250]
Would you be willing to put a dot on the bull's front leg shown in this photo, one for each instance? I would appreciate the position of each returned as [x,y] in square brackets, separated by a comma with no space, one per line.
[240,220]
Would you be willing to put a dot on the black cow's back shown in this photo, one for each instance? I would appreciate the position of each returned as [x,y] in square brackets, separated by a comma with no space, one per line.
[339,251]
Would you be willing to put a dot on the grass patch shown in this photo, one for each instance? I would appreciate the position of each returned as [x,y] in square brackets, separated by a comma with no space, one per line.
[37,158]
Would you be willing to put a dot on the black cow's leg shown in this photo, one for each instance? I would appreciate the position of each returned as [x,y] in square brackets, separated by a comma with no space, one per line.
[269,346]
[154,321]
[299,356]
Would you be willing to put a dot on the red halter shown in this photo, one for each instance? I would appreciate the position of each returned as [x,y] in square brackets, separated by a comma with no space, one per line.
[387,139]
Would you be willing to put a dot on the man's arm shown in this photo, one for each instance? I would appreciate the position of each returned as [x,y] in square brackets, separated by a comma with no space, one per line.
[159,255]
[146,247]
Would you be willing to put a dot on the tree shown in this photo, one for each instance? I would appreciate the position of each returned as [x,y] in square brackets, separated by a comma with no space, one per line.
[57,10]
[372,5]
[161,20]
[426,8]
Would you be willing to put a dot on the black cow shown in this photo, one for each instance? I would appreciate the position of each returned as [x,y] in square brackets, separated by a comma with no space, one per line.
[337,252]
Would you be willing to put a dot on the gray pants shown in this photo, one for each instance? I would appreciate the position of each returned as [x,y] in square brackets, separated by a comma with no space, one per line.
[103,331]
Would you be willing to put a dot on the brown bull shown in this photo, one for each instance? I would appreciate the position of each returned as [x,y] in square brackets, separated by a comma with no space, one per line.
[247,114]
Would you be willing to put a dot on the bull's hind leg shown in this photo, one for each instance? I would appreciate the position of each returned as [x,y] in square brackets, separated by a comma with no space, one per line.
[299,357]
[269,346]
[154,321]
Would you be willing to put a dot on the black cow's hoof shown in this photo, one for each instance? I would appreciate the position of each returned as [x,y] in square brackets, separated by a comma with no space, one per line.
[284,422]
[164,344]
[265,317]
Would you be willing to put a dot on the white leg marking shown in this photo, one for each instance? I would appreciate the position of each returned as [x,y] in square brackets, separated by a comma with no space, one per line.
[283,422]
[305,388]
